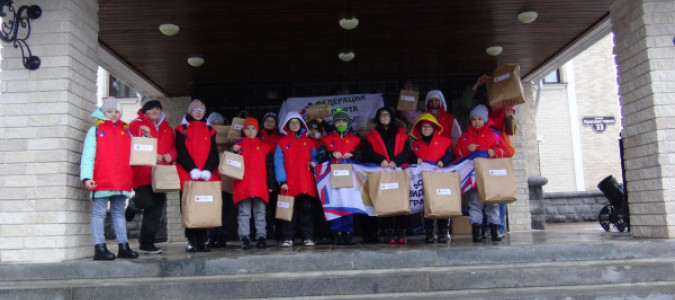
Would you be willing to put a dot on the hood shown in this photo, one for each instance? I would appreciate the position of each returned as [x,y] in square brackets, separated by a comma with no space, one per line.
[142,116]
[283,126]
[99,115]
[416,130]
[444,106]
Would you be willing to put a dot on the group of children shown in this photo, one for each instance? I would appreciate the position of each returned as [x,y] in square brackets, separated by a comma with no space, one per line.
[275,160]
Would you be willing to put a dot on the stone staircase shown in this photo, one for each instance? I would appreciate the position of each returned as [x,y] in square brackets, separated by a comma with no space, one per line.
[628,269]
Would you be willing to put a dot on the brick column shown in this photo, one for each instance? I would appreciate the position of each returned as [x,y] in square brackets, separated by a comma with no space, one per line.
[44,210]
[645,55]
[525,161]
[174,108]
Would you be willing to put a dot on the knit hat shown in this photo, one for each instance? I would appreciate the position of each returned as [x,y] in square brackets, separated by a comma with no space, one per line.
[214,116]
[151,104]
[271,115]
[196,104]
[251,122]
[341,115]
[111,103]
[481,111]
[435,94]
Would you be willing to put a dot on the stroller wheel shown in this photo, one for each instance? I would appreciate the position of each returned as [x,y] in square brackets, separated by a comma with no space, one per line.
[621,221]
[604,217]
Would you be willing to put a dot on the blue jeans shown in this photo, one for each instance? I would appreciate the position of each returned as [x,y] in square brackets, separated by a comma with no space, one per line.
[98,212]
[477,210]
[344,223]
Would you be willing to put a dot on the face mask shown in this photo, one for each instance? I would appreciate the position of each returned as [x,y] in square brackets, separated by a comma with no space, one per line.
[342,129]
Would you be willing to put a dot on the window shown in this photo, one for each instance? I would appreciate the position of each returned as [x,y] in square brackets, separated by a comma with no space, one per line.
[554,77]
[119,89]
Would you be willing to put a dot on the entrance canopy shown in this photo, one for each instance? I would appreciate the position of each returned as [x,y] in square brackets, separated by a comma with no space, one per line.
[281,41]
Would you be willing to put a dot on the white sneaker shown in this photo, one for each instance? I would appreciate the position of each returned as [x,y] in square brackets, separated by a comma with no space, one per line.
[287,243]
[309,243]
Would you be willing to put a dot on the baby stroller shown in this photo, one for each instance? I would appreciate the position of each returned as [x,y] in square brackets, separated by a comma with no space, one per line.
[616,213]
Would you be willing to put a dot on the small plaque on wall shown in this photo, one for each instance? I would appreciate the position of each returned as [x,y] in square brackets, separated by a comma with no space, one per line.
[598,124]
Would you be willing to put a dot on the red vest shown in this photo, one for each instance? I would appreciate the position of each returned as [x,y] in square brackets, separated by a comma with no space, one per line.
[165,145]
[433,151]
[198,144]
[485,137]
[254,183]
[297,155]
[344,145]
[112,171]
[376,141]
[270,139]
[446,120]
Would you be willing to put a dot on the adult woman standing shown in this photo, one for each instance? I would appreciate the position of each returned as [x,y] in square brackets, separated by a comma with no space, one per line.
[197,160]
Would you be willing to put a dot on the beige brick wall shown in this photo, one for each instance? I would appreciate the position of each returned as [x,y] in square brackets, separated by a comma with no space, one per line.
[645,54]
[175,108]
[44,210]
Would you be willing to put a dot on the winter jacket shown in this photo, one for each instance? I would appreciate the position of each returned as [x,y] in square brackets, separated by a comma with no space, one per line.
[196,147]
[165,144]
[257,156]
[105,157]
[292,157]
[434,148]
[335,142]
[445,118]
[389,144]
[270,138]
[485,137]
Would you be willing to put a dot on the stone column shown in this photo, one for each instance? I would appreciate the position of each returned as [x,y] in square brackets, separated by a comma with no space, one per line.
[175,108]
[645,55]
[44,114]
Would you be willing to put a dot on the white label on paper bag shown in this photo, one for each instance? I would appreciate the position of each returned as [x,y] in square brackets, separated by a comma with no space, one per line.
[233,163]
[204,198]
[407,98]
[443,192]
[500,172]
[238,126]
[283,204]
[145,148]
[341,173]
[389,186]
[502,77]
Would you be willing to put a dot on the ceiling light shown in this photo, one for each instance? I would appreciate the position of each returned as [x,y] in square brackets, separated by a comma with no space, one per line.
[349,24]
[494,50]
[346,56]
[169,29]
[527,17]
[195,61]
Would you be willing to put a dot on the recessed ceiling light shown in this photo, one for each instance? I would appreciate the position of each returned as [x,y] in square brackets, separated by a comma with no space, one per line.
[527,17]
[346,56]
[195,61]
[169,29]
[349,24]
[494,50]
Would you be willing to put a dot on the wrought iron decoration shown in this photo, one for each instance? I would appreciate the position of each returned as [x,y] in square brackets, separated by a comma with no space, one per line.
[10,29]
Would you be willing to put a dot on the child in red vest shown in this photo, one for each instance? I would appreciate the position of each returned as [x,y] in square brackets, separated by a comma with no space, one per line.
[105,171]
[295,156]
[431,147]
[479,136]
[251,193]
[340,145]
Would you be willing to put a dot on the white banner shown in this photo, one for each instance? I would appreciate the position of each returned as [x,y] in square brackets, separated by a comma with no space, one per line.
[357,106]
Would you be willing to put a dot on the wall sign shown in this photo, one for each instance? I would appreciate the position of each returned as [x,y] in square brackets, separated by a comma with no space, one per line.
[599,124]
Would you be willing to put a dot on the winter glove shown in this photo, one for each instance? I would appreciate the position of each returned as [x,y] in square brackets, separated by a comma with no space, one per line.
[205,175]
[195,174]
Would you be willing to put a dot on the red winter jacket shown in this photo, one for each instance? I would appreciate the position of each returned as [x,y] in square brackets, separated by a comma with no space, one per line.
[271,139]
[254,183]
[297,153]
[378,146]
[485,137]
[445,119]
[165,145]
[196,147]
[344,145]
[112,171]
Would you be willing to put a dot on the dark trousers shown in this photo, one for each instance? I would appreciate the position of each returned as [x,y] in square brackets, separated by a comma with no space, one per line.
[194,235]
[396,222]
[221,232]
[369,228]
[273,224]
[152,205]
[302,213]
[442,226]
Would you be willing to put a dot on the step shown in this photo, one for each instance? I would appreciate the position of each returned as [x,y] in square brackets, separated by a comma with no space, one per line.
[461,278]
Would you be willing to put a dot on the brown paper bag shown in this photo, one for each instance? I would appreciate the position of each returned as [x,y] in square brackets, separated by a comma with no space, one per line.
[442,196]
[284,210]
[407,100]
[165,179]
[231,165]
[495,180]
[201,205]
[505,85]
[319,111]
[221,133]
[460,225]
[143,151]
[227,184]
[341,176]
[237,125]
[390,192]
